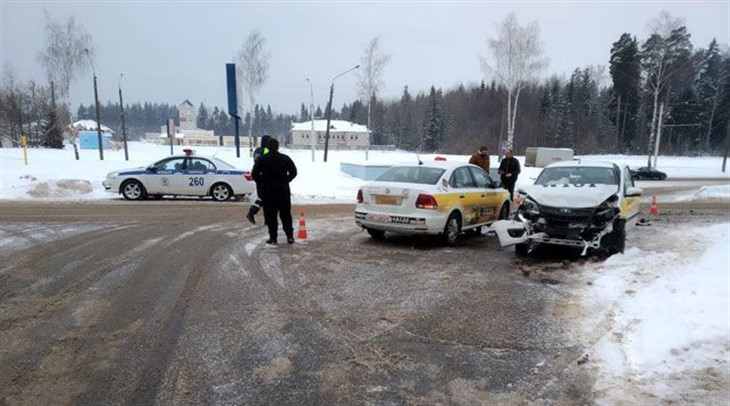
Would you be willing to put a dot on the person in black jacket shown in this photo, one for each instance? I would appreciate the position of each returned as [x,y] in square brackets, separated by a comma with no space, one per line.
[274,172]
[257,154]
[509,169]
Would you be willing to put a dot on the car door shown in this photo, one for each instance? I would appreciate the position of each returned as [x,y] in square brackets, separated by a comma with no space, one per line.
[489,198]
[199,173]
[630,205]
[162,180]
[462,183]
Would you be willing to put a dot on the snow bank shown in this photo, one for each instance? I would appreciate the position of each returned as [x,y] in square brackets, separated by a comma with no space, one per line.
[670,329]
[706,193]
[674,167]
[318,182]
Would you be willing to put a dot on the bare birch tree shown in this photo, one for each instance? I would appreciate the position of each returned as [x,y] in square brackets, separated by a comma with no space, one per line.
[64,58]
[370,75]
[515,59]
[662,59]
[252,71]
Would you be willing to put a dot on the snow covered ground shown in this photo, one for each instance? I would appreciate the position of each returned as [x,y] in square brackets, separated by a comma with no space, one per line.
[54,174]
[667,337]
[705,193]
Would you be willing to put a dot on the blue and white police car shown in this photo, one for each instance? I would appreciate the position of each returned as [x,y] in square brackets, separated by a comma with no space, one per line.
[182,175]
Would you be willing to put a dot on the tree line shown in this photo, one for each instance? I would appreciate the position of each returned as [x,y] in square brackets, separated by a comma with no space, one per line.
[660,91]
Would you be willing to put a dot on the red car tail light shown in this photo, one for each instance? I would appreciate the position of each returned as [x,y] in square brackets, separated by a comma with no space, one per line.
[426,202]
[248,176]
[359,196]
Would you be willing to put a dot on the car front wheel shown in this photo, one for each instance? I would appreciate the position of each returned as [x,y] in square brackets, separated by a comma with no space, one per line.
[221,192]
[504,212]
[522,249]
[615,241]
[378,235]
[133,190]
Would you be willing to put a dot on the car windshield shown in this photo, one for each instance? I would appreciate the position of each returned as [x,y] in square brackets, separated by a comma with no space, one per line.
[220,164]
[577,175]
[412,174]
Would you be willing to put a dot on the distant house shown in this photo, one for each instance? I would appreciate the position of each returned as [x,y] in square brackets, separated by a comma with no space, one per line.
[343,134]
[90,140]
[90,125]
[87,136]
[187,133]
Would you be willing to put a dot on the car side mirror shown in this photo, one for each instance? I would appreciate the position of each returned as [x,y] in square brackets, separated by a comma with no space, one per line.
[151,169]
[495,184]
[633,192]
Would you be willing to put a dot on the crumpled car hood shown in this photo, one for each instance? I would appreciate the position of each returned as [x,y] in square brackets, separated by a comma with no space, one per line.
[570,196]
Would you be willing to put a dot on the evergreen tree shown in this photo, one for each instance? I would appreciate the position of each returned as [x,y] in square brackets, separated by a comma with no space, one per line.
[52,134]
[625,70]
[709,92]
[433,124]
[408,133]
[203,119]
[303,113]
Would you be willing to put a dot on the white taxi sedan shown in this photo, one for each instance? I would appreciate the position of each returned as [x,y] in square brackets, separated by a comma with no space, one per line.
[186,175]
[438,198]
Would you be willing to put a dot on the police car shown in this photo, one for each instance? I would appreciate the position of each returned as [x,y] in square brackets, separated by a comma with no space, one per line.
[182,175]
[438,198]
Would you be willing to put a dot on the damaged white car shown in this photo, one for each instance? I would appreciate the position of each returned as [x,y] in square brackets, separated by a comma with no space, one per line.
[585,205]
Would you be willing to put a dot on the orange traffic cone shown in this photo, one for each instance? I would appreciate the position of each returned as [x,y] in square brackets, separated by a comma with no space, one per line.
[302,233]
[653,210]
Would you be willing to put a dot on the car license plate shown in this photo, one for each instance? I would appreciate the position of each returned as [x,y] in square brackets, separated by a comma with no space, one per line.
[389,200]
[379,218]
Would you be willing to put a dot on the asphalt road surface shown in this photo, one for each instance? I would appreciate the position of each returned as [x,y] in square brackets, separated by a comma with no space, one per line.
[181,302]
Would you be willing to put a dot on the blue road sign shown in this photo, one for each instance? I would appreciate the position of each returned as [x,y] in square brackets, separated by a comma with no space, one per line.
[231,85]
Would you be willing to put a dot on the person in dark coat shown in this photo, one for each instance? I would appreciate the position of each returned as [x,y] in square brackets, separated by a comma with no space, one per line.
[274,172]
[509,169]
[481,158]
[257,154]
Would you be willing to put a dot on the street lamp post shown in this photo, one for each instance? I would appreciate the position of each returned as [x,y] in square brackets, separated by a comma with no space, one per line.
[124,127]
[311,117]
[329,109]
[96,101]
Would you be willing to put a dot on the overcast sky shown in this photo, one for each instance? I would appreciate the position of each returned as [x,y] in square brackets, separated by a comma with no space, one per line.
[170,51]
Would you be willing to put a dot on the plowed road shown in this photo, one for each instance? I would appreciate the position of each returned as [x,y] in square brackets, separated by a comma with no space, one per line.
[182,303]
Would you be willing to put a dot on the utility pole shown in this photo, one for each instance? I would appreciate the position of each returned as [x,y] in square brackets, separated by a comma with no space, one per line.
[124,127]
[98,121]
[171,133]
[96,102]
[329,110]
[727,144]
[329,116]
[311,117]
[237,139]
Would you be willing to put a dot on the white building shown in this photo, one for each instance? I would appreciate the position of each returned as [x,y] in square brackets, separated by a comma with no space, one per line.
[187,133]
[343,134]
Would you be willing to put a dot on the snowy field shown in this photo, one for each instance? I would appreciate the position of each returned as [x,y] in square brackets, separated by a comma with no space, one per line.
[54,174]
[668,332]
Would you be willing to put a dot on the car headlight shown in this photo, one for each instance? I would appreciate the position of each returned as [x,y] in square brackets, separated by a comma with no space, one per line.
[529,207]
[608,209]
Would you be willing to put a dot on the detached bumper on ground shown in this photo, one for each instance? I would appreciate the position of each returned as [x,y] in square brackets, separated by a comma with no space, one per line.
[513,232]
